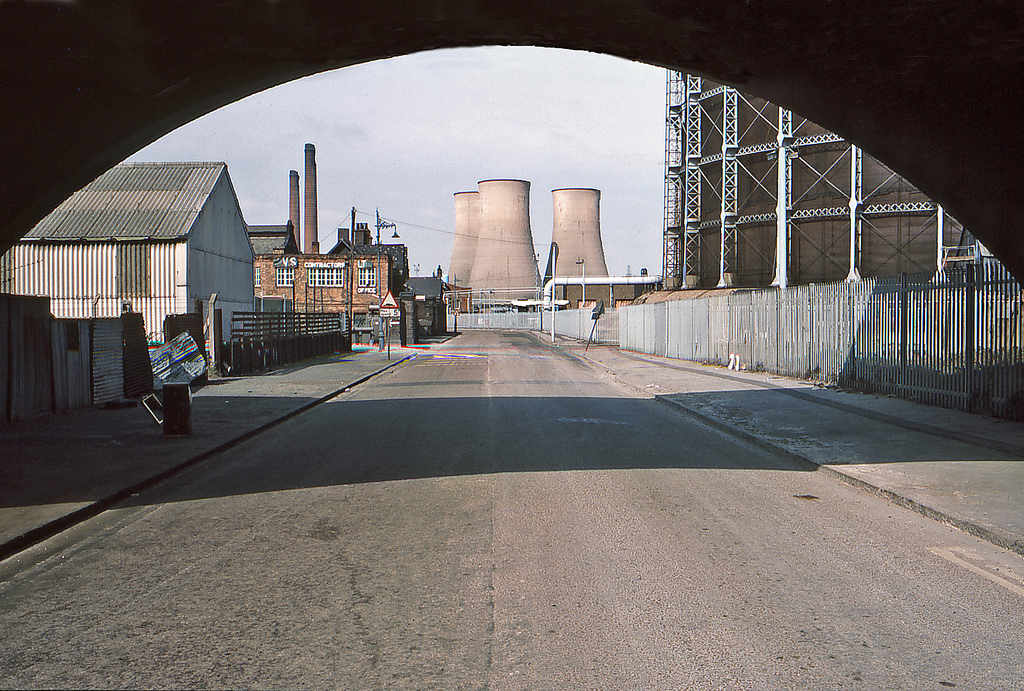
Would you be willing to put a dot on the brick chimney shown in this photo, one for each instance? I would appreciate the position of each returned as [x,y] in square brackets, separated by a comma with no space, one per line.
[293,205]
[309,231]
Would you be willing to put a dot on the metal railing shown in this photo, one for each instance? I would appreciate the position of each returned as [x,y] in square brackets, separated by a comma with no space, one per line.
[953,339]
[579,324]
[529,321]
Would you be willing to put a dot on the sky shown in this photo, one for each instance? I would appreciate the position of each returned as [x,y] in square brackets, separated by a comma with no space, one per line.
[404,135]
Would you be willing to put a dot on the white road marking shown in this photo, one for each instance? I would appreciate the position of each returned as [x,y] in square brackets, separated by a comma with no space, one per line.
[1014,583]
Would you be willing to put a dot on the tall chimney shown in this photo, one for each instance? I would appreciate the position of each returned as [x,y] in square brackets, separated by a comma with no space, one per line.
[293,205]
[309,232]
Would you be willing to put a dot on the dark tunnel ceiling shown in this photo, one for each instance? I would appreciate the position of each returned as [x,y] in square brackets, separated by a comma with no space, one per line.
[930,87]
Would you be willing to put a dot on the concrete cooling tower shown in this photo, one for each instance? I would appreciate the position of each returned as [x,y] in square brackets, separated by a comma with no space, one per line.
[577,232]
[504,259]
[467,226]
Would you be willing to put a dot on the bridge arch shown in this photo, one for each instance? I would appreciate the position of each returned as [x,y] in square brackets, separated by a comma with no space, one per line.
[928,87]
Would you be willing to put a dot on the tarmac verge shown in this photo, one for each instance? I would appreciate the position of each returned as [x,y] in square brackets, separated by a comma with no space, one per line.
[62,522]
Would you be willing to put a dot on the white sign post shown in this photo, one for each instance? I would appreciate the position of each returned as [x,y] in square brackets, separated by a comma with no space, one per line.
[388,311]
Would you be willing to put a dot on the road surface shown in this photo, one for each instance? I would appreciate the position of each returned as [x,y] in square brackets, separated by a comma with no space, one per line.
[495,514]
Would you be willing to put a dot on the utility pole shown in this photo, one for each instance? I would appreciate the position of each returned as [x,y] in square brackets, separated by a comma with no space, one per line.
[382,224]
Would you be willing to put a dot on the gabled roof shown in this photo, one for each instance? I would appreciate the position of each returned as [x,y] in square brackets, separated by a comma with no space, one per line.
[273,239]
[429,286]
[134,201]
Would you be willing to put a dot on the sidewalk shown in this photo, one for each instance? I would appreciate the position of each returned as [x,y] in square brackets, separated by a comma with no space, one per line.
[44,488]
[966,470]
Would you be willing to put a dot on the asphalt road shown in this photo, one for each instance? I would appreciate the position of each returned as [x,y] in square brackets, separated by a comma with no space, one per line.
[495,514]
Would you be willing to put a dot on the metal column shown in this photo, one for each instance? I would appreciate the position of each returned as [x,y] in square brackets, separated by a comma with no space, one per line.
[674,167]
[730,184]
[691,239]
[784,195]
[856,203]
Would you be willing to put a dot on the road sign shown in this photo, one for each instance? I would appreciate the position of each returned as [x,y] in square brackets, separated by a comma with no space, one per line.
[388,312]
[389,301]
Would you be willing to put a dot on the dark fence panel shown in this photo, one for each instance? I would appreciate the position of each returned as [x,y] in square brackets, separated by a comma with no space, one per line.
[138,370]
[30,367]
[71,342]
[264,340]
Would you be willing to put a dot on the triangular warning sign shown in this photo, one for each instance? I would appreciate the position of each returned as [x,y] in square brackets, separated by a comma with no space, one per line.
[388,301]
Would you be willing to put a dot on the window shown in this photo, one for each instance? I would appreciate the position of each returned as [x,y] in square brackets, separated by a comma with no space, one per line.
[256,276]
[367,277]
[326,276]
[285,276]
[133,279]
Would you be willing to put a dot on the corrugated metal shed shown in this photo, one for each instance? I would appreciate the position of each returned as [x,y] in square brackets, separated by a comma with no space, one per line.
[134,201]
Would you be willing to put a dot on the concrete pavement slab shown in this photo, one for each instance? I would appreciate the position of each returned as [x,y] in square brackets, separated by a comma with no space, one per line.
[967,470]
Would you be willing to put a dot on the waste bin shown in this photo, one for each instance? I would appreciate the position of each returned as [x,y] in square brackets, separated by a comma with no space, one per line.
[177,410]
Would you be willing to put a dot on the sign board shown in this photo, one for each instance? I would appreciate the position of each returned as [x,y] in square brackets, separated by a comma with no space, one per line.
[390,312]
[389,301]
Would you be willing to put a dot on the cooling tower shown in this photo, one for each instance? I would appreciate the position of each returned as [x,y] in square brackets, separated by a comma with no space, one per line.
[504,258]
[577,232]
[309,231]
[293,204]
[467,225]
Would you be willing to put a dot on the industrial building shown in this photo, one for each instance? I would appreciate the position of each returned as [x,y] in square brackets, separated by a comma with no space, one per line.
[158,238]
[292,275]
[503,260]
[286,280]
[756,195]
[467,219]
[576,230]
[493,246]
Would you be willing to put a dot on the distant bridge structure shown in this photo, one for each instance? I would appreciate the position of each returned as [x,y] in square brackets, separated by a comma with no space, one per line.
[929,87]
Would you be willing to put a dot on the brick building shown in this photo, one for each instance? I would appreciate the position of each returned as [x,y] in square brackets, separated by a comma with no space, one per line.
[286,279]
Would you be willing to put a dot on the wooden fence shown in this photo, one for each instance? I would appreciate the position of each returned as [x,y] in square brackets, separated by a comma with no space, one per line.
[263,340]
[45,363]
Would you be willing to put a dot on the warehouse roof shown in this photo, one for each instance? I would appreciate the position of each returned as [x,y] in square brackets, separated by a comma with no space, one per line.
[273,239]
[134,201]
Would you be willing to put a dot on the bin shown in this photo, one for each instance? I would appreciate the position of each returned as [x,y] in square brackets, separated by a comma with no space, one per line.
[177,410]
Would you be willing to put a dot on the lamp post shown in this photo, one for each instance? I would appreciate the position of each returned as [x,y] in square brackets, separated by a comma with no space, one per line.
[583,298]
[554,284]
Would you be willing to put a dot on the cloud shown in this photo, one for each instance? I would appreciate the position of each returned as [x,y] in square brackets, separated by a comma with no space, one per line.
[403,135]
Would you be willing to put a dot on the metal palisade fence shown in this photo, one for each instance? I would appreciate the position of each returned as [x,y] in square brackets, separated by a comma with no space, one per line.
[953,339]
[580,324]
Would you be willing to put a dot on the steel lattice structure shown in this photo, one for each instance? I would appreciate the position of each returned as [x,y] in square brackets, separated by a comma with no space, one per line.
[756,195]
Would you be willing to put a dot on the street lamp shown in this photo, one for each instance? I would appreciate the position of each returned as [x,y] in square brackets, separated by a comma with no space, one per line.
[554,283]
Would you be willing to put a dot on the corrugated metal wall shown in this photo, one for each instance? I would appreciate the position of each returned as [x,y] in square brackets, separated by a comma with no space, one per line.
[72,375]
[954,340]
[138,370]
[86,281]
[219,258]
[45,363]
[107,360]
